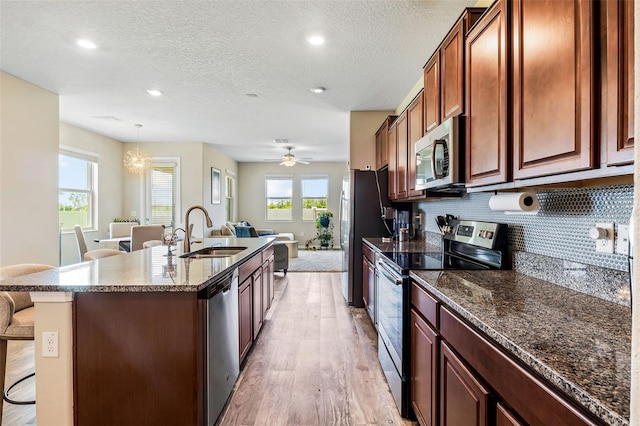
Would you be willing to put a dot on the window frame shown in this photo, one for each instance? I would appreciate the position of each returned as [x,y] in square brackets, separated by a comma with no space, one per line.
[303,198]
[267,198]
[163,162]
[91,158]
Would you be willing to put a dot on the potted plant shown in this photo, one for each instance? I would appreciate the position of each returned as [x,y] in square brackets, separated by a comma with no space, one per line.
[323,219]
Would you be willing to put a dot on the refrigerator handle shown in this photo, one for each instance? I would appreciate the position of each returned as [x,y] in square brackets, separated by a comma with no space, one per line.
[340,218]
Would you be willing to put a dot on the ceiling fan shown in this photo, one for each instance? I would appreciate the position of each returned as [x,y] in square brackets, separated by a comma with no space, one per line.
[289,159]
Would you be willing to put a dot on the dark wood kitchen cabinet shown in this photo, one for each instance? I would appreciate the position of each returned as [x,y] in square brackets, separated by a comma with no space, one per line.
[553,87]
[393,160]
[402,145]
[619,82]
[444,74]
[504,417]
[256,289]
[369,281]
[245,315]
[382,143]
[424,366]
[464,399]
[415,129]
[488,157]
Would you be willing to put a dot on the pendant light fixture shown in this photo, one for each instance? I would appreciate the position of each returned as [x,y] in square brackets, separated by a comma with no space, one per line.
[135,160]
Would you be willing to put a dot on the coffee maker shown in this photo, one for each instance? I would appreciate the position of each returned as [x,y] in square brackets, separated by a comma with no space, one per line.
[401,222]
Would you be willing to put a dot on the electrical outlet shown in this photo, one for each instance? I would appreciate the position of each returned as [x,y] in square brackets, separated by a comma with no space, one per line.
[50,344]
[604,240]
[622,240]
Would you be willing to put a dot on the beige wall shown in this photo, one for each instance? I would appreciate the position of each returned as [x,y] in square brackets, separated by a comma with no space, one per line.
[28,173]
[110,168]
[251,196]
[362,137]
[228,167]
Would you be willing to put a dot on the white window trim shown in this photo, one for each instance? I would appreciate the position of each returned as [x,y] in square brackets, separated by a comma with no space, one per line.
[146,207]
[70,151]
[276,177]
[302,197]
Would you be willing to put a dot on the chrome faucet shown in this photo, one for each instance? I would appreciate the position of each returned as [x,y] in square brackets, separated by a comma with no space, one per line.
[187,237]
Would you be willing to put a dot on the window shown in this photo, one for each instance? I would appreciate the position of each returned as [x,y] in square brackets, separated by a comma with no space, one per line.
[230,193]
[77,187]
[162,199]
[315,193]
[279,196]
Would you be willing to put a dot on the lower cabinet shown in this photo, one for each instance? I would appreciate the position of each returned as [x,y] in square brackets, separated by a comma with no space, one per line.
[257,302]
[245,315]
[464,400]
[369,283]
[424,364]
[458,377]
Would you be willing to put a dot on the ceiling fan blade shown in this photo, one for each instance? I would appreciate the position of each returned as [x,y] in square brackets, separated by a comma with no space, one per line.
[302,162]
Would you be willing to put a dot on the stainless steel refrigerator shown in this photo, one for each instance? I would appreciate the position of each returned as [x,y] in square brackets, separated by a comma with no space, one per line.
[360,217]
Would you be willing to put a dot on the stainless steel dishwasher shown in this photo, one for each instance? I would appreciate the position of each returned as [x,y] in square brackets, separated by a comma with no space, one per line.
[222,353]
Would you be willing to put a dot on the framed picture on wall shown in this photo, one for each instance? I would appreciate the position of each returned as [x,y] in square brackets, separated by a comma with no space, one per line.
[215,186]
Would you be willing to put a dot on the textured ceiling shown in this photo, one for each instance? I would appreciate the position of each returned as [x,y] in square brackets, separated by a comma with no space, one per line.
[205,56]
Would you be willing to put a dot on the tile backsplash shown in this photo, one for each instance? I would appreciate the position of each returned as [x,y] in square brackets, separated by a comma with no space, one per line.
[561,227]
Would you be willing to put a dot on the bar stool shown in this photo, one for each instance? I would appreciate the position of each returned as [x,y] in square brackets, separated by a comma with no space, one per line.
[16,319]
[100,253]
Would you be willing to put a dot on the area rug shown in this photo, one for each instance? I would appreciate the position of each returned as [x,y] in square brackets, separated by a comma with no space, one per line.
[316,261]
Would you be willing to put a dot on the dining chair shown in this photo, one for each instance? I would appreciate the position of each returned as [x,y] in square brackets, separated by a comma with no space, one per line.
[16,321]
[100,253]
[142,233]
[82,244]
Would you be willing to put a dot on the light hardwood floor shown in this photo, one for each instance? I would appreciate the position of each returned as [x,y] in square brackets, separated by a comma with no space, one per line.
[314,363]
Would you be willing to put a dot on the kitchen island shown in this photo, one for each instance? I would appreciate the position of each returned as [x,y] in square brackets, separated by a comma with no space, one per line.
[131,334]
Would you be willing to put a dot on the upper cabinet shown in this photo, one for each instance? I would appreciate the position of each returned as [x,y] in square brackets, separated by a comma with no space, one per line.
[402,156]
[487,155]
[415,132]
[444,74]
[619,82]
[553,87]
[382,143]
[393,160]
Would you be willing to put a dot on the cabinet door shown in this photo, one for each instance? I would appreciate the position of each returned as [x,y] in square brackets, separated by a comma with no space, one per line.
[415,117]
[620,86]
[432,93]
[368,287]
[553,87]
[272,280]
[256,286]
[504,417]
[452,73]
[365,282]
[401,175]
[245,317]
[266,299]
[424,371]
[487,155]
[463,399]
[392,142]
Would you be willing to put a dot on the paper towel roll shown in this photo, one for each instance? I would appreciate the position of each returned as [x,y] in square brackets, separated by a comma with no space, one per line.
[521,202]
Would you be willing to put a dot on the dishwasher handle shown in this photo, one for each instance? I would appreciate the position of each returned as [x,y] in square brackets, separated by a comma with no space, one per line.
[388,273]
[221,285]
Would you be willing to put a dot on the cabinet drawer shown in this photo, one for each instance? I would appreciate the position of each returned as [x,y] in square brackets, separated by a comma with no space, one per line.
[426,305]
[267,253]
[532,399]
[248,268]
[368,253]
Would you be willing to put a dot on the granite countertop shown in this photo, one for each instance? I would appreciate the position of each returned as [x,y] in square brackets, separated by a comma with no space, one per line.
[148,270]
[578,342]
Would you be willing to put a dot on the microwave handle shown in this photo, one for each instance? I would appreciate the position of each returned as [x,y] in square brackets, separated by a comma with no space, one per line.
[438,174]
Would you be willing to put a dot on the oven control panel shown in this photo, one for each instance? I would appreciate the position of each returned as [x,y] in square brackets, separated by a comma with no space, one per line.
[483,234]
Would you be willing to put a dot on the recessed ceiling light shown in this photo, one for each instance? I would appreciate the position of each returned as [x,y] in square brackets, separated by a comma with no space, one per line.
[87,44]
[154,92]
[318,89]
[252,95]
[316,40]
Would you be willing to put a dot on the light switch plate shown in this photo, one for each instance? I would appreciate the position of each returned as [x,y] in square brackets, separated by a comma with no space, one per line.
[622,240]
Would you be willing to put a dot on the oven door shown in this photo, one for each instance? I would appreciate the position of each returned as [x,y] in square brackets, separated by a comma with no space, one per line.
[390,315]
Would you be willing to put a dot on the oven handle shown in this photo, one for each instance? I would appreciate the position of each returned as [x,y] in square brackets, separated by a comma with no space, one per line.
[389,274]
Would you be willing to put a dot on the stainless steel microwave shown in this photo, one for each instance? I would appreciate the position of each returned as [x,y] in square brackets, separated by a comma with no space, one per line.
[439,157]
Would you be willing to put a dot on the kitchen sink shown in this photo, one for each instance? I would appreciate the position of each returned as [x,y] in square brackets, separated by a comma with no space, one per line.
[213,252]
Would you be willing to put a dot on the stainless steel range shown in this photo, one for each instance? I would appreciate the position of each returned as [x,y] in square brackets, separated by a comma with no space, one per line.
[466,245]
